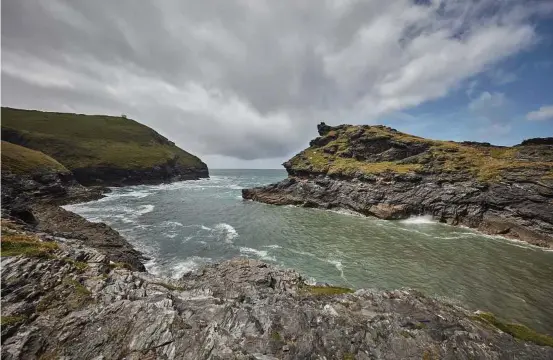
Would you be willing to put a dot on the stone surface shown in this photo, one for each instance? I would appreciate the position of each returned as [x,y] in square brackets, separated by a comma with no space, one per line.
[75,305]
[377,171]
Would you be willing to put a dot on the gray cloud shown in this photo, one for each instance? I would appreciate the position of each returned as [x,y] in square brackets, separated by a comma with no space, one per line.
[249,79]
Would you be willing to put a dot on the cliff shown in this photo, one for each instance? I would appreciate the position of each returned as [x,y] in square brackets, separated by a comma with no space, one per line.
[34,184]
[101,150]
[379,171]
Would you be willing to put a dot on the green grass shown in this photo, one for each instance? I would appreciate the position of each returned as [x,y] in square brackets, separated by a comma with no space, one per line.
[11,320]
[325,290]
[485,163]
[88,141]
[518,331]
[22,161]
[19,244]
[120,265]
[275,335]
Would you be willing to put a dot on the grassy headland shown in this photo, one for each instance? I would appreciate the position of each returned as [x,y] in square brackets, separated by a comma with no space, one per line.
[93,141]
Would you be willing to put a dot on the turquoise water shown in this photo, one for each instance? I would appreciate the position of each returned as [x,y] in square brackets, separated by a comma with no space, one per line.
[181,226]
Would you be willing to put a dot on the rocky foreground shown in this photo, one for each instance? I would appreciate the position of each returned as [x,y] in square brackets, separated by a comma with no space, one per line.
[378,171]
[66,300]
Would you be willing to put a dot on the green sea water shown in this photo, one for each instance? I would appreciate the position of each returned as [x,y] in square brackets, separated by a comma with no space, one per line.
[184,225]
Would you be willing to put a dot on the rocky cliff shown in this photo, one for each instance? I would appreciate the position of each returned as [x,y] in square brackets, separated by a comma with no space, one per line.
[34,184]
[378,171]
[102,150]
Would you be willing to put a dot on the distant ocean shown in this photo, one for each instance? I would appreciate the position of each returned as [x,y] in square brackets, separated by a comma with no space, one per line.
[184,225]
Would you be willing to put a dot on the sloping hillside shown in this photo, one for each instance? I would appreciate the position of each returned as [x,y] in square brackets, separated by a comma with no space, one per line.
[101,149]
[23,161]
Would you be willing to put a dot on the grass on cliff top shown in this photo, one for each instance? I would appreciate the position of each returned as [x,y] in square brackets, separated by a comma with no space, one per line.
[26,245]
[518,331]
[485,163]
[22,161]
[81,141]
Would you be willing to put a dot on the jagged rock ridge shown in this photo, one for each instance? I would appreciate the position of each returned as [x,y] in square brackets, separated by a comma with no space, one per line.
[379,171]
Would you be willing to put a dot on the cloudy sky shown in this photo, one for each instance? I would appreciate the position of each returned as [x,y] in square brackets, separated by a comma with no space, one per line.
[243,83]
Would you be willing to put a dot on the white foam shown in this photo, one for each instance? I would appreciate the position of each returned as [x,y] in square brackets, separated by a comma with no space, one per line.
[273,246]
[172,223]
[339,267]
[205,227]
[426,219]
[226,231]
[262,254]
[144,209]
[346,212]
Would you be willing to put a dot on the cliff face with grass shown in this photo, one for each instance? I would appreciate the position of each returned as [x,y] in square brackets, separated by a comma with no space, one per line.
[101,150]
[378,171]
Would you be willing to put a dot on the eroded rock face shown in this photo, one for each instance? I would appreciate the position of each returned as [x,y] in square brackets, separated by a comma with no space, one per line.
[35,199]
[74,304]
[377,171]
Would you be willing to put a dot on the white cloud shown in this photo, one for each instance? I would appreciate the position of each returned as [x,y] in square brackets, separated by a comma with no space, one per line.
[250,79]
[544,113]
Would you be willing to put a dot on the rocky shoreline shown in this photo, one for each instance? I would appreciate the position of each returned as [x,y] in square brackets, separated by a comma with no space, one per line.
[72,302]
[377,171]
[72,289]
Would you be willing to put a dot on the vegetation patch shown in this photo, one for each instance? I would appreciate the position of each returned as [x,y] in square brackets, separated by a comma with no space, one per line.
[120,265]
[20,244]
[275,335]
[11,320]
[79,265]
[518,331]
[22,161]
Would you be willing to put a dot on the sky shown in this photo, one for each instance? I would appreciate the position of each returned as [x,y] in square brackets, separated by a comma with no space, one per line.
[243,83]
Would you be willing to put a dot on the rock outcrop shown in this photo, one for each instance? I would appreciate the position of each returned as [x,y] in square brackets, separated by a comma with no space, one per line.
[76,304]
[102,150]
[379,171]
[33,187]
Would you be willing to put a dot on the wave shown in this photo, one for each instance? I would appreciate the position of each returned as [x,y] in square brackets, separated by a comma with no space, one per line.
[226,231]
[144,209]
[262,254]
[172,224]
[426,219]
[274,246]
[187,266]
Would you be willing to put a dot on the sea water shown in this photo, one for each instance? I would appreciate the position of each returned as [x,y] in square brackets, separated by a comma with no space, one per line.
[181,226]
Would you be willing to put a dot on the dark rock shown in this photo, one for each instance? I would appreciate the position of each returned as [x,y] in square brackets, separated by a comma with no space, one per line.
[323,128]
[538,141]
